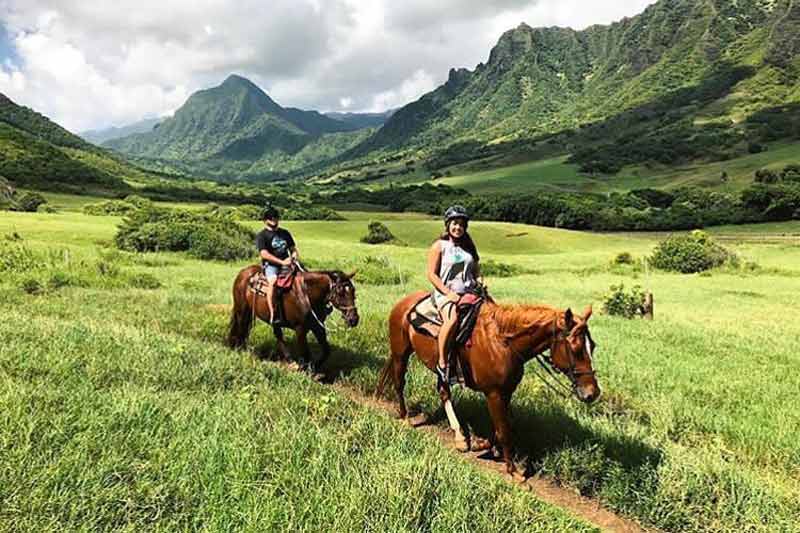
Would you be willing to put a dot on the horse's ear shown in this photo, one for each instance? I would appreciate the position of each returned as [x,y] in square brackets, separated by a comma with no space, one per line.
[352,274]
[569,320]
[588,313]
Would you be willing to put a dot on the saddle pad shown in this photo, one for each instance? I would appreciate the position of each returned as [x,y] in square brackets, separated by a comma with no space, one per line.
[424,318]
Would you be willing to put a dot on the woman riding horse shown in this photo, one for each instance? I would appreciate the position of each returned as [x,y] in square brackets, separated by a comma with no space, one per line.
[453,269]
[504,339]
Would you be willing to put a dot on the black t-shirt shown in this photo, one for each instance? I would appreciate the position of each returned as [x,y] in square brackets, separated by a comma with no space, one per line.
[278,243]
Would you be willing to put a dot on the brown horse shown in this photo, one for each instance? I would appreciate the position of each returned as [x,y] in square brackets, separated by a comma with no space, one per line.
[504,339]
[324,289]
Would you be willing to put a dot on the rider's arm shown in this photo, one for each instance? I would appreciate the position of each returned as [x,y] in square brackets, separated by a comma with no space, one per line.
[434,260]
[294,253]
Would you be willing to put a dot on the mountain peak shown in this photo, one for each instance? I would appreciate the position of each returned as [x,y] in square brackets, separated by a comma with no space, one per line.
[236,81]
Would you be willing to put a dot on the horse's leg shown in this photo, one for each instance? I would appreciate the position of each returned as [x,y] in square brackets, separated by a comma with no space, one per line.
[322,338]
[280,343]
[502,426]
[458,434]
[304,354]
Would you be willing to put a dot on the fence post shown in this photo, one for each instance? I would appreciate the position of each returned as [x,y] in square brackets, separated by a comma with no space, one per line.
[647,308]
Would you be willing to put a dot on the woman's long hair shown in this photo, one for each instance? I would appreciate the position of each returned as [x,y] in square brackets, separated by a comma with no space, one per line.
[465,242]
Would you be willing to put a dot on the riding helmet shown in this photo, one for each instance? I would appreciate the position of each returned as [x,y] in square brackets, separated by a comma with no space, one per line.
[455,211]
[269,212]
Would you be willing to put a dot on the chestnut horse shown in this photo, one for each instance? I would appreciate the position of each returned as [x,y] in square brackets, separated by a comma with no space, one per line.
[332,288]
[504,339]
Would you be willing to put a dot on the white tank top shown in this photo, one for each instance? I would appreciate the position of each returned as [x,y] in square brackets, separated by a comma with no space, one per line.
[457,268]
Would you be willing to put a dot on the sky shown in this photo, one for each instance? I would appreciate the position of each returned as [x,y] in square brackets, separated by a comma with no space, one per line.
[91,64]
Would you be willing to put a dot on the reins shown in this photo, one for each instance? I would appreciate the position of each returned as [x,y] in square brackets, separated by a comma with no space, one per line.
[551,380]
[331,290]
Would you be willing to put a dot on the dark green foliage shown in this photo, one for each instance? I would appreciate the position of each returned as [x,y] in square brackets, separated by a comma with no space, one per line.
[690,253]
[623,258]
[109,207]
[377,233]
[497,269]
[764,175]
[28,202]
[31,286]
[144,280]
[627,304]
[37,125]
[202,235]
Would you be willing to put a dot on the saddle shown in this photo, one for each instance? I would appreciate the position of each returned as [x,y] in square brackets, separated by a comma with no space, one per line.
[425,319]
[285,283]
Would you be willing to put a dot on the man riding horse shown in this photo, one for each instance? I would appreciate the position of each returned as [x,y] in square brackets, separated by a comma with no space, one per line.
[278,253]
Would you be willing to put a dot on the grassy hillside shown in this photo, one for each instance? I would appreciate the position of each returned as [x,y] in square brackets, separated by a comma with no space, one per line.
[695,430]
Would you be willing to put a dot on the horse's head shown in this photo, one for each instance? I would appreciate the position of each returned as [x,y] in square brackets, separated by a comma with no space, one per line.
[343,296]
[572,351]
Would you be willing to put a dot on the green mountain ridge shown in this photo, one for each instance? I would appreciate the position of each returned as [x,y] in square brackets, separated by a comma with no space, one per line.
[37,153]
[99,136]
[681,64]
[236,128]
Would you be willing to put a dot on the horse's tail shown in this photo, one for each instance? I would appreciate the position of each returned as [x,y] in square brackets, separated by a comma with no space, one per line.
[241,317]
[384,377]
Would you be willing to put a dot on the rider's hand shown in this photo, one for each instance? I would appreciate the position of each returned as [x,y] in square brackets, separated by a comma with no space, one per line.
[453,297]
[288,261]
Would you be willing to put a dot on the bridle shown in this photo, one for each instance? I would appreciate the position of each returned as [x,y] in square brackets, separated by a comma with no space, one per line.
[334,292]
[546,362]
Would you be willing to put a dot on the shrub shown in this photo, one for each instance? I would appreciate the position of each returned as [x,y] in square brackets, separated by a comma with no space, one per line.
[28,202]
[138,201]
[144,280]
[377,233]
[690,253]
[202,235]
[500,270]
[765,175]
[110,208]
[31,286]
[618,302]
[623,258]
[16,257]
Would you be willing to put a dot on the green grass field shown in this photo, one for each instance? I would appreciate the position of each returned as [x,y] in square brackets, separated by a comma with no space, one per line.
[121,409]
[556,174]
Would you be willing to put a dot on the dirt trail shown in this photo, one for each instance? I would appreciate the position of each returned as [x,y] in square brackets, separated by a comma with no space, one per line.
[543,488]
[589,510]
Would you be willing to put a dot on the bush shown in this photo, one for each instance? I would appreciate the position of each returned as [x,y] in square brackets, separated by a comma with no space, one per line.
[28,202]
[31,286]
[16,257]
[624,258]
[690,253]
[500,270]
[626,304]
[202,235]
[110,208]
[144,280]
[377,233]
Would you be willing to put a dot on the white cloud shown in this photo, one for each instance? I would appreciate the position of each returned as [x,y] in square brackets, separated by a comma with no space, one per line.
[93,63]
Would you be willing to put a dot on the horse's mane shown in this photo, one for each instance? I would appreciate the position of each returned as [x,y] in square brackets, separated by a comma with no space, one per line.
[515,317]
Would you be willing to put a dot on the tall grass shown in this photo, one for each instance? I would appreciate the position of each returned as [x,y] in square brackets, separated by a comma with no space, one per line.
[119,407]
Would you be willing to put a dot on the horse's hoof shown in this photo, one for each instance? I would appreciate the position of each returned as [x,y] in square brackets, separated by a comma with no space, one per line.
[294,366]
[461,443]
[319,377]
[516,477]
[478,444]
[417,420]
